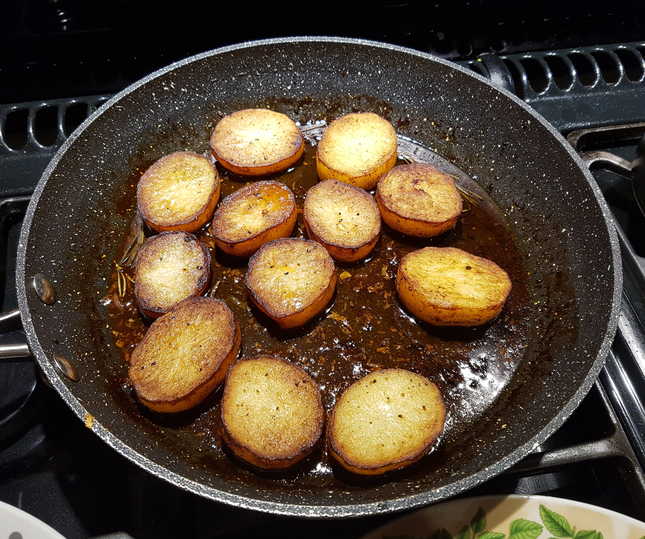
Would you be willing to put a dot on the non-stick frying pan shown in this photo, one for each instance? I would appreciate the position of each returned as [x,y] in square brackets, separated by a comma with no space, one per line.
[79,214]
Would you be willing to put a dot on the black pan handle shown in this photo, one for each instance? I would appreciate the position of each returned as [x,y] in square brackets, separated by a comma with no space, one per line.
[11,320]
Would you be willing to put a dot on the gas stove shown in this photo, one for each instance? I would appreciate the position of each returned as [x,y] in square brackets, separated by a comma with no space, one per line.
[56,469]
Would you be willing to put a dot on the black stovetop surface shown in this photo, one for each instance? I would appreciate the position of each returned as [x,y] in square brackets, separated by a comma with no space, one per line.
[86,48]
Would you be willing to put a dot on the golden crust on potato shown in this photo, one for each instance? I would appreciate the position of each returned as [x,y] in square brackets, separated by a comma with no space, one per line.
[169,268]
[291,280]
[357,148]
[418,200]
[445,286]
[252,216]
[254,142]
[184,355]
[178,192]
[272,413]
[385,421]
[343,218]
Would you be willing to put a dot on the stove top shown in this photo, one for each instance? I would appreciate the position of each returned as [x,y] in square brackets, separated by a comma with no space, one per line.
[54,468]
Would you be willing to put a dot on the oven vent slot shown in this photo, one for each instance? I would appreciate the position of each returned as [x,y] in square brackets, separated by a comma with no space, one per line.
[38,127]
[572,70]
[562,84]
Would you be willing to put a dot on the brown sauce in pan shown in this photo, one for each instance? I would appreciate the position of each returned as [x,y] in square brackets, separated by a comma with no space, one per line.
[365,328]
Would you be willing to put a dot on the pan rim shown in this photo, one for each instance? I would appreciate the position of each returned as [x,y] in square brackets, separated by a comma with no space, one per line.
[332,510]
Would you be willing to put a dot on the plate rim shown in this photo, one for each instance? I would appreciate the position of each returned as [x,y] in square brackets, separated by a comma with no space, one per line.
[531,497]
[35,521]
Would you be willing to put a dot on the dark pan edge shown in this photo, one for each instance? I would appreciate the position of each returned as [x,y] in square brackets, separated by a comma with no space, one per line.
[316,511]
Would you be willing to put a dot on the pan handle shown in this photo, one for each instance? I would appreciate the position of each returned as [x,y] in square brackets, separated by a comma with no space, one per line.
[11,320]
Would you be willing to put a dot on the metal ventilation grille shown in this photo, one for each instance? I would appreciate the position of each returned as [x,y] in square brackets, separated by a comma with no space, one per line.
[564,84]
[30,133]
[581,69]
[37,127]
[593,68]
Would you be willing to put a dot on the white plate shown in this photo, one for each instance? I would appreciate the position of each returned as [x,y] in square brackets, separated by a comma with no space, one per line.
[16,524]
[512,517]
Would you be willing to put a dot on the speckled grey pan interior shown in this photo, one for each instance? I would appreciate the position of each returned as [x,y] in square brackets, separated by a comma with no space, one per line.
[77,215]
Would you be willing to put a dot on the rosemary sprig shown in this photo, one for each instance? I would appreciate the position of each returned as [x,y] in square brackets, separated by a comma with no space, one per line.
[409,160]
[472,198]
[133,242]
[213,290]
[121,282]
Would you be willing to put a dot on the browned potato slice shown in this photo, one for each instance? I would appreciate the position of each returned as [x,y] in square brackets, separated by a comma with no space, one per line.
[178,192]
[446,286]
[357,148]
[252,216]
[185,354]
[385,421]
[343,218]
[418,200]
[291,280]
[254,142]
[271,412]
[170,267]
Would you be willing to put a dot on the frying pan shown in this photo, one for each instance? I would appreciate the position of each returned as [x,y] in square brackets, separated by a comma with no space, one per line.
[76,219]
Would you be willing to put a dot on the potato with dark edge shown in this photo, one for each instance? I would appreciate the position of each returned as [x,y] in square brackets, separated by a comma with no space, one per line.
[255,142]
[291,280]
[272,413]
[253,215]
[169,268]
[385,421]
[185,355]
[418,200]
[343,218]
[178,192]
[445,286]
[357,148]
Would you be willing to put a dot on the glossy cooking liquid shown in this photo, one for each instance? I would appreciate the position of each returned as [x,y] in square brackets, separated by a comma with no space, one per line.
[365,327]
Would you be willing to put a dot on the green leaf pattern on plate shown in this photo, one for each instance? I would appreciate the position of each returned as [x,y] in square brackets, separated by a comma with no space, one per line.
[554,523]
[464,533]
[478,522]
[588,534]
[524,529]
